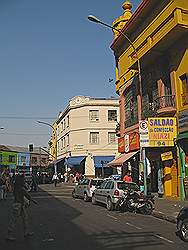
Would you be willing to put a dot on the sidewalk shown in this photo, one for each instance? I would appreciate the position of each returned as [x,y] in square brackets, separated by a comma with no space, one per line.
[168,208]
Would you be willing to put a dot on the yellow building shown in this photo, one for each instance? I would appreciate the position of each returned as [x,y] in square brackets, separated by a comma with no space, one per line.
[53,143]
[158,33]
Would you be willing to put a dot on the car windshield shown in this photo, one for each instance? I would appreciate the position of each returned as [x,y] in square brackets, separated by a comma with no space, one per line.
[127,185]
[96,182]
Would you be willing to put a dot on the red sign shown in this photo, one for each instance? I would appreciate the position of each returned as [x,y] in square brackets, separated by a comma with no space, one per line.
[121,145]
[134,141]
[186,159]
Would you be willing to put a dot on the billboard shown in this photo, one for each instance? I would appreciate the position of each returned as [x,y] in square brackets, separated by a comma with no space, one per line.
[162,131]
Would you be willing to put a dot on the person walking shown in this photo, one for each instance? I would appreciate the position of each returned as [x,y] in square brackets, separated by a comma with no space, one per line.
[128,177]
[19,208]
[55,179]
[141,181]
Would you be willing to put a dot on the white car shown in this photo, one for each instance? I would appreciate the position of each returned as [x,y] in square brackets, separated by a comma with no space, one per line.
[110,191]
[84,189]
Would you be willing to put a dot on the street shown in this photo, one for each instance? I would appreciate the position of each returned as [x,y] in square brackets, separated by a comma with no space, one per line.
[61,222]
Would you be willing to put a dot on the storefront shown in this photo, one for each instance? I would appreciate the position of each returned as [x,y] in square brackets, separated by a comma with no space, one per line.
[129,147]
[182,142]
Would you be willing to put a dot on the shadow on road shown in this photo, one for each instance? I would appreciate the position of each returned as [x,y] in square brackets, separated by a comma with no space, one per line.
[57,225]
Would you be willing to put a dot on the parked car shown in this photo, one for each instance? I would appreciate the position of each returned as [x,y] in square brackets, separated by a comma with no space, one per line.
[182,224]
[115,177]
[110,191]
[84,189]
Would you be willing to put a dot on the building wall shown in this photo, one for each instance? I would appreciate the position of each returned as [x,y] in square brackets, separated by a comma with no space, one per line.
[158,31]
[80,127]
[6,163]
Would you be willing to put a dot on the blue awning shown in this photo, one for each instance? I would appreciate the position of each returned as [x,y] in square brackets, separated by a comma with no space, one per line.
[74,160]
[100,161]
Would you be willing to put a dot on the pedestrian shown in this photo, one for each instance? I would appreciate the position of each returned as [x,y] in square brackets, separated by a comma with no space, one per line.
[19,207]
[34,185]
[141,181]
[65,176]
[1,188]
[128,177]
[55,179]
[77,176]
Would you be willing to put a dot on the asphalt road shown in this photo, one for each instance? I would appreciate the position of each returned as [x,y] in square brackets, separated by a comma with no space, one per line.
[60,222]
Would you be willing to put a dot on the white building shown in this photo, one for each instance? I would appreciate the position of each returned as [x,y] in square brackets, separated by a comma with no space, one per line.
[86,133]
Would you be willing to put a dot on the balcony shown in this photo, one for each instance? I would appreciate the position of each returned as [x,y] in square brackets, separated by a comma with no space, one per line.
[184,98]
[148,110]
[130,121]
[165,105]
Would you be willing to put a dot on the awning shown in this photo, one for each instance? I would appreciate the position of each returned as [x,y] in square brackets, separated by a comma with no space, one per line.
[182,136]
[102,161]
[55,162]
[121,159]
[74,160]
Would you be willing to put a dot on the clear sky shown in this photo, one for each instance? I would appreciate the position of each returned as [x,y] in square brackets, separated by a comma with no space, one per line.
[50,52]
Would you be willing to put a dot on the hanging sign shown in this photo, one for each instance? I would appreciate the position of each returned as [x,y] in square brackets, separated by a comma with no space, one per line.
[167,156]
[144,135]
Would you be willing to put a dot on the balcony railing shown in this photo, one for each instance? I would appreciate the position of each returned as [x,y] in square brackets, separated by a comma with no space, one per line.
[164,102]
[185,98]
[131,121]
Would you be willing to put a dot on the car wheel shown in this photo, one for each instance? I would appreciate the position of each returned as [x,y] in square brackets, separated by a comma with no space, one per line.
[184,230]
[86,198]
[94,202]
[74,194]
[109,205]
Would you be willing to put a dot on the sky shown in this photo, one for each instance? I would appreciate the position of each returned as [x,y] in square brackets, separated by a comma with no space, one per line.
[49,53]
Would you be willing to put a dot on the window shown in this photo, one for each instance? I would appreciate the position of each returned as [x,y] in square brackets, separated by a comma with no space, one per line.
[102,186]
[34,160]
[12,158]
[67,140]
[67,121]
[109,185]
[112,138]
[184,79]
[94,115]
[112,115]
[1,158]
[44,160]
[62,142]
[94,137]
[23,158]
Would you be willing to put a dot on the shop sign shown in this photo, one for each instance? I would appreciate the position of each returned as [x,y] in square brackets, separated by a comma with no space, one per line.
[186,159]
[162,131]
[183,121]
[78,146]
[167,156]
[134,142]
[144,135]
[126,143]
[121,145]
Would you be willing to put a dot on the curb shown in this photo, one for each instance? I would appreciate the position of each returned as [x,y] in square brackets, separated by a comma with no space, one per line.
[163,216]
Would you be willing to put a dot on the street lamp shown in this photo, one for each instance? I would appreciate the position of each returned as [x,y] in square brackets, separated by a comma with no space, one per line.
[48,124]
[142,150]
[96,20]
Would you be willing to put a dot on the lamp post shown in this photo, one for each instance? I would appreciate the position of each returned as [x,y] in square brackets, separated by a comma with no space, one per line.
[142,149]
[53,129]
